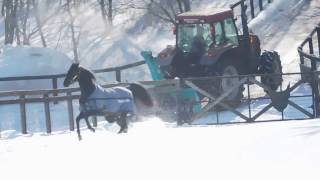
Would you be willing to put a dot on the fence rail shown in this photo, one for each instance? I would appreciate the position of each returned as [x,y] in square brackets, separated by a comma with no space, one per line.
[254,7]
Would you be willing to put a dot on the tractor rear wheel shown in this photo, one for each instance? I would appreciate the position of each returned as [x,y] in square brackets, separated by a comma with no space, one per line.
[226,83]
[228,80]
[270,67]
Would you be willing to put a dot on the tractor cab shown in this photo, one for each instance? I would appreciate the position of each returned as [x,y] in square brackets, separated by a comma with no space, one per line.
[202,32]
[202,38]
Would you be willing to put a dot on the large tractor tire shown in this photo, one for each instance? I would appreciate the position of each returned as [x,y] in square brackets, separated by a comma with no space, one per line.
[270,64]
[228,78]
[234,98]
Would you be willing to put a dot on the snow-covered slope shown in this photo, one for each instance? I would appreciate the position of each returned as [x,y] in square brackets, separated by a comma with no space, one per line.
[284,25]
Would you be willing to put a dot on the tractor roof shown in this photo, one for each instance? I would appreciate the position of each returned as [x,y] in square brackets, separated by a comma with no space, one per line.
[204,16]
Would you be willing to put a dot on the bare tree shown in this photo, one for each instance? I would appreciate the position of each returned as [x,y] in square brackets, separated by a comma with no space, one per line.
[106,11]
[9,11]
[167,9]
[74,40]
[22,23]
[38,21]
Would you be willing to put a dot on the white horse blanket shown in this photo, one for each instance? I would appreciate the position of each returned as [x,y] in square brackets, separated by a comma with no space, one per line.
[115,99]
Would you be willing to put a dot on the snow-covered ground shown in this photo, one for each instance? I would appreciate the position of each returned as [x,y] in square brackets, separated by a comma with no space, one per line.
[152,150]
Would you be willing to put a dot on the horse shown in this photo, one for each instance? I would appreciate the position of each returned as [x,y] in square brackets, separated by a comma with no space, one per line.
[116,104]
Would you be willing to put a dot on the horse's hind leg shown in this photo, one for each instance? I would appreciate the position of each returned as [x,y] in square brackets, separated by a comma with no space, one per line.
[122,122]
[89,125]
[79,117]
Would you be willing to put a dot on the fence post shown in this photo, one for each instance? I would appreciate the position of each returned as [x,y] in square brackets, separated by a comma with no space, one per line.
[47,113]
[55,86]
[260,5]
[249,98]
[23,115]
[252,9]
[70,111]
[310,45]
[118,75]
[301,58]
[318,35]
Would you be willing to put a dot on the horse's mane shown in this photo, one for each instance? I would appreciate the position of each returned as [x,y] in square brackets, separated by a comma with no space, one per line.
[88,72]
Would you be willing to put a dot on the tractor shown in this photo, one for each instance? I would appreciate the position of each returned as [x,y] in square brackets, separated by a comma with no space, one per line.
[208,44]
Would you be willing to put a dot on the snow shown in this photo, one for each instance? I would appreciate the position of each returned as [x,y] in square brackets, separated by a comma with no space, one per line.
[284,25]
[153,149]
[31,61]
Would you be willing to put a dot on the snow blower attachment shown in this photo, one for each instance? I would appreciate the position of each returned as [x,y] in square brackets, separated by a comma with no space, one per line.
[182,104]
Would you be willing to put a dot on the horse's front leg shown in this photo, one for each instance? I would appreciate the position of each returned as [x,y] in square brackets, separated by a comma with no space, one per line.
[122,122]
[79,117]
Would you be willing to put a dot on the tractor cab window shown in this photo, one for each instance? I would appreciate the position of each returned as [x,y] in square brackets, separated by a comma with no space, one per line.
[230,32]
[218,34]
[194,38]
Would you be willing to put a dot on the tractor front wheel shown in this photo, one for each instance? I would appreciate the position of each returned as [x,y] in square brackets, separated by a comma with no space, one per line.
[271,69]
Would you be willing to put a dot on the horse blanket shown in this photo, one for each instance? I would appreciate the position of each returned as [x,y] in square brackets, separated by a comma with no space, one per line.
[115,99]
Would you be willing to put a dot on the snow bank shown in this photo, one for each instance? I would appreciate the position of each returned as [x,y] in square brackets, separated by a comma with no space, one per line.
[31,61]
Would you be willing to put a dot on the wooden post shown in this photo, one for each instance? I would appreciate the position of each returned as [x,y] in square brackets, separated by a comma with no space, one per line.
[70,111]
[23,115]
[55,86]
[260,5]
[118,75]
[47,113]
[252,9]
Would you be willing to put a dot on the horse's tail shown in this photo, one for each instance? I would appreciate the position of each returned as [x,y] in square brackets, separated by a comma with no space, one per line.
[139,92]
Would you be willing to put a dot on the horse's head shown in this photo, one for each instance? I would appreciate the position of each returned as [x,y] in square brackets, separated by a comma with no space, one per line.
[72,75]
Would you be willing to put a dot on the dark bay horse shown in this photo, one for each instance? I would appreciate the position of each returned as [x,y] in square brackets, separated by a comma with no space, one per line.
[116,104]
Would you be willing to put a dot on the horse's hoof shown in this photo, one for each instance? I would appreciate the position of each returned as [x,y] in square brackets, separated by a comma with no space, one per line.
[93,130]
[123,131]
[80,138]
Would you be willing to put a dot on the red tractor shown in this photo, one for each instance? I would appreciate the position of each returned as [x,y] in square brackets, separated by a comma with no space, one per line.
[208,44]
